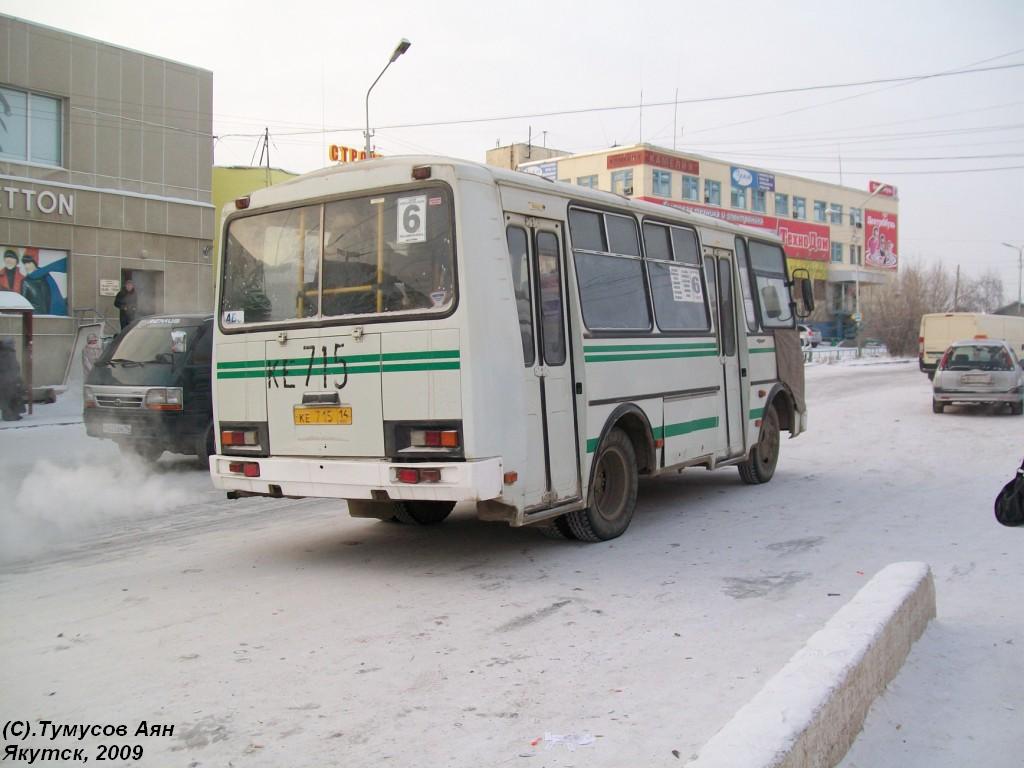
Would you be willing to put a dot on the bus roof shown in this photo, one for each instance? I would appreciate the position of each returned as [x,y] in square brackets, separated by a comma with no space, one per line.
[311,185]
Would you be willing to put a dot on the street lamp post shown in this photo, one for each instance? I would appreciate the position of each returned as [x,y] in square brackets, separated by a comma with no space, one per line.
[860,261]
[401,48]
[1020,268]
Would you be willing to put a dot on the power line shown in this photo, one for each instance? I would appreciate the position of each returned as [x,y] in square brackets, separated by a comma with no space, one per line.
[621,107]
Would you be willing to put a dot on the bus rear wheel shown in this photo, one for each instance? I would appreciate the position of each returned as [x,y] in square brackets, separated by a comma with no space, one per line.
[759,467]
[612,492]
[422,512]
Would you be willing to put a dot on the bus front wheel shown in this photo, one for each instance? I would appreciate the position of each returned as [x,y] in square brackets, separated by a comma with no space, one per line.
[760,465]
[612,493]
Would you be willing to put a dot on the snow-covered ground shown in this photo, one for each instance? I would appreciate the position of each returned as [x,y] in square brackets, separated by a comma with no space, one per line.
[286,633]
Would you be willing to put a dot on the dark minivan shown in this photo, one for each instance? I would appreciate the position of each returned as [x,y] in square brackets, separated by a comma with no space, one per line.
[150,390]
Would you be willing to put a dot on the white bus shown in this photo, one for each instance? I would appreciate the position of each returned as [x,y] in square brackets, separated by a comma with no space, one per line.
[410,333]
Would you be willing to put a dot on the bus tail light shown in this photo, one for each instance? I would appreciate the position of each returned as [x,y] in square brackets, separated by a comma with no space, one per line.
[239,437]
[434,438]
[89,397]
[421,172]
[412,476]
[247,468]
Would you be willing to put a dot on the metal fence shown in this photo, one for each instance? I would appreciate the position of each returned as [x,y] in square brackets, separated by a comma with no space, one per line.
[823,354]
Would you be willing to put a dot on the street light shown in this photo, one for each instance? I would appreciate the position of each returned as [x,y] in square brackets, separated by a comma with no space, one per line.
[402,47]
[1020,267]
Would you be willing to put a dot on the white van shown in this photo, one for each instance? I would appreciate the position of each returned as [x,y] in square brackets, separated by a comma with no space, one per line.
[941,329]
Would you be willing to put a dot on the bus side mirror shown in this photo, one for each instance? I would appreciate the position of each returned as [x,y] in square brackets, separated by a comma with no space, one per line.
[806,291]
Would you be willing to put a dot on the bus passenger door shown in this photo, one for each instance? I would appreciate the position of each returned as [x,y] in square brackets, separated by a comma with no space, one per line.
[548,381]
[718,268]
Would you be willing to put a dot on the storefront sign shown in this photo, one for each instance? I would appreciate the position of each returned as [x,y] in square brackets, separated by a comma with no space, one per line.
[802,239]
[881,232]
[24,200]
[657,159]
[748,179]
[883,190]
[340,154]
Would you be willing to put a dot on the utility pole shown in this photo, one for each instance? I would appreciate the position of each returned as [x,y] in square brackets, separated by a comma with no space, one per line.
[956,290]
[265,152]
[675,112]
[641,115]
[1020,269]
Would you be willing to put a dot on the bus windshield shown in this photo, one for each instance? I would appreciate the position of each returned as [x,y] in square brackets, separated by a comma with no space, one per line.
[377,254]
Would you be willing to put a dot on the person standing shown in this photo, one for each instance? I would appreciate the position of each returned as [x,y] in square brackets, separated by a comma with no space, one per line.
[127,303]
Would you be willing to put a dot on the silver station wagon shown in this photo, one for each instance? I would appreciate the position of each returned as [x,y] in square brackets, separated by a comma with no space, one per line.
[979,371]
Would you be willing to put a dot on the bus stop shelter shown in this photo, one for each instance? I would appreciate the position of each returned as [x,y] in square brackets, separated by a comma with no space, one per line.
[12,303]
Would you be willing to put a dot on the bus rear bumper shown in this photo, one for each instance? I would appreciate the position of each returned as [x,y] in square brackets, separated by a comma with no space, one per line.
[477,480]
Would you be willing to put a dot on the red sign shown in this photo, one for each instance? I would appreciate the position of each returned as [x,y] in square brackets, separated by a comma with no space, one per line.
[802,239]
[885,190]
[340,154]
[657,159]
[881,240]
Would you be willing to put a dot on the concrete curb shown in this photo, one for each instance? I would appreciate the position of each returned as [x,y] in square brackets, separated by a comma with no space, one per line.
[809,714]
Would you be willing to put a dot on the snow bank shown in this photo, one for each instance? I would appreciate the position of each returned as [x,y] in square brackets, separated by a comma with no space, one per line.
[811,711]
[54,503]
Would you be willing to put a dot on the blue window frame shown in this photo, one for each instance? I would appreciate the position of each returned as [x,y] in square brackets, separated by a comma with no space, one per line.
[712,192]
[738,197]
[781,204]
[759,201]
[691,188]
[662,183]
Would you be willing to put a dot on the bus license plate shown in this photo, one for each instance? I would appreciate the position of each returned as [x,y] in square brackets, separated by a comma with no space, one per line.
[326,414]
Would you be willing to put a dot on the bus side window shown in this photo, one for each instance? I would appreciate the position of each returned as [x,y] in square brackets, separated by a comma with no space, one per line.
[748,298]
[520,263]
[549,273]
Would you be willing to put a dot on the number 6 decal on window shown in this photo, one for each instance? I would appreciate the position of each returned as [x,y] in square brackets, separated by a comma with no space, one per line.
[412,223]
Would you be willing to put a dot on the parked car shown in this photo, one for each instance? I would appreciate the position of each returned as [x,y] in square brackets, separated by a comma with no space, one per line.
[809,337]
[979,371]
[150,390]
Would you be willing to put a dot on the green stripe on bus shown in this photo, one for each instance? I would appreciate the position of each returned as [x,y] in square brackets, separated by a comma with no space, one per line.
[756,413]
[669,430]
[754,350]
[391,356]
[337,370]
[613,358]
[645,347]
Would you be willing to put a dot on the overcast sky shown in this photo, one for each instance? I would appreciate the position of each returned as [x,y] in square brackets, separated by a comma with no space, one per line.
[300,66]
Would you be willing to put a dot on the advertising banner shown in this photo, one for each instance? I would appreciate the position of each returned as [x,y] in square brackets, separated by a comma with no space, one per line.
[544,170]
[748,179]
[802,239]
[881,236]
[884,190]
[38,274]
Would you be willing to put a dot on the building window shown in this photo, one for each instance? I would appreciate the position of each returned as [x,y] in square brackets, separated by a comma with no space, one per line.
[587,181]
[835,213]
[738,198]
[855,255]
[622,182]
[855,218]
[819,210]
[781,204]
[712,192]
[799,208]
[691,188]
[759,200]
[31,127]
[837,253]
[663,184]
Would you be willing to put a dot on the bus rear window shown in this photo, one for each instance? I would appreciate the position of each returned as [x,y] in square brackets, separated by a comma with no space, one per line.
[375,254]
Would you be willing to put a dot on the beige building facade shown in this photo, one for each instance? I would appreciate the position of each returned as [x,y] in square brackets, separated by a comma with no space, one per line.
[846,238]
[105,174]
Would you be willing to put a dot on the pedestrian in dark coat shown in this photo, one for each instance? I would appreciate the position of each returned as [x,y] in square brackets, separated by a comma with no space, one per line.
[127,303]
[12,388]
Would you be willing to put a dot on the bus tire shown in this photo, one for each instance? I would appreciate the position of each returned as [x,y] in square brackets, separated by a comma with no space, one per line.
[558,528]
[612,492]
[759,466]
[937,407]
[422,512]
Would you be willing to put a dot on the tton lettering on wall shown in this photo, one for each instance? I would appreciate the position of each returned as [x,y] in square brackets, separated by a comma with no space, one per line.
[21,200]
